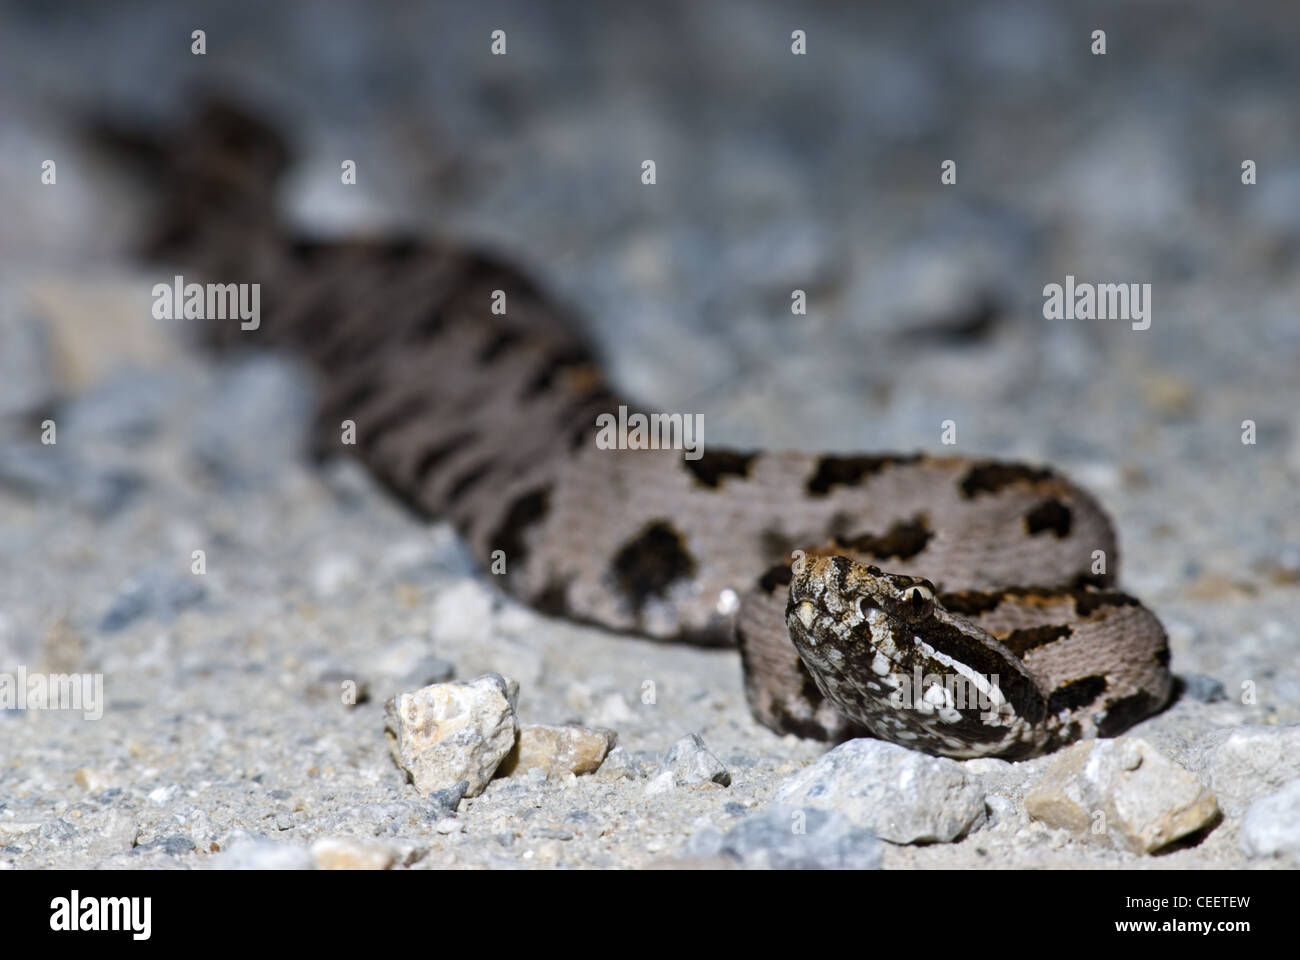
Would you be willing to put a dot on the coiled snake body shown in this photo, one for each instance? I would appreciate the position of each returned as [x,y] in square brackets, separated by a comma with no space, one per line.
[1012,644]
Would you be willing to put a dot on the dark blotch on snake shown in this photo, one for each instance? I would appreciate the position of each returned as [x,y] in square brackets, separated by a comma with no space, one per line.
[775,578]
[498,345]
[551,366]
[1088,601]
[971,603]
[354,399]
[1050,515]
[710,468]
[552,600]
[403,413]
[527,509]
[436,454]
[991,476]
[1125,712]
[1076,693]
[649,564]
[850,471]
[431,325]
[903,540]
[306,251]
[1022,641]
[398,249]
[468,479]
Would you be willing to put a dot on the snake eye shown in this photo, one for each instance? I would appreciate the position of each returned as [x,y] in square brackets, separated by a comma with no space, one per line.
[916,602]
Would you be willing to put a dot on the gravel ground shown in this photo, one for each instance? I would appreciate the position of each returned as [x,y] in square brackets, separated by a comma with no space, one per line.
[223,741]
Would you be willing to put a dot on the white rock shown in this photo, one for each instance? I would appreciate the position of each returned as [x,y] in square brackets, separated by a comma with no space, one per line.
[162,795]
[1271,826]
[1123,793]
[449,732]
[661,782]
[900,795]
[333,572]
[1253,762]
[691,763]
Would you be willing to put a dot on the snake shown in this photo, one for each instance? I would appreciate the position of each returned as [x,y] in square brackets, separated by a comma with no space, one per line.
[964,607]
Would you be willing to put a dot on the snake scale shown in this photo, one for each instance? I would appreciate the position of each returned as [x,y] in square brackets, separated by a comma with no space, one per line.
[962,607]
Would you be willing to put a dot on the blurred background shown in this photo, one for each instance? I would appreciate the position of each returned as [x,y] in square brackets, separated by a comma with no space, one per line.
[775,172]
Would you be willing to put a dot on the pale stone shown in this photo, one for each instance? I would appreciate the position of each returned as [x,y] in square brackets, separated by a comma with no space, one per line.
[90,780]
[348,854]
[558,749]
[1123,793]
[449,732]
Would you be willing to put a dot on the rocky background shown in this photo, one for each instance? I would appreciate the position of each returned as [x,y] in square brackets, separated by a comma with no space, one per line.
[225,741]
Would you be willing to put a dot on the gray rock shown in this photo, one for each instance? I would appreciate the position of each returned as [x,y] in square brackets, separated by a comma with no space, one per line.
[104,493]
[124,411]
[175,845]
[449,732]
[782,838]
[152,594]
[899,794]
[443,803]
[36,469]
[90,484]
[1252,762]
[1203,688]
[690,763]
[1123,793]
[231,442]
[620,764]
[429,671]
[1271,826]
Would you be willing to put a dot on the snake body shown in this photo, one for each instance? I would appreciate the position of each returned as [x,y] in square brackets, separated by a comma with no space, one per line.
[488,418]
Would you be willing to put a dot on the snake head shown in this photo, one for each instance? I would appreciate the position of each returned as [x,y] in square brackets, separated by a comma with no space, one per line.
[889,656]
